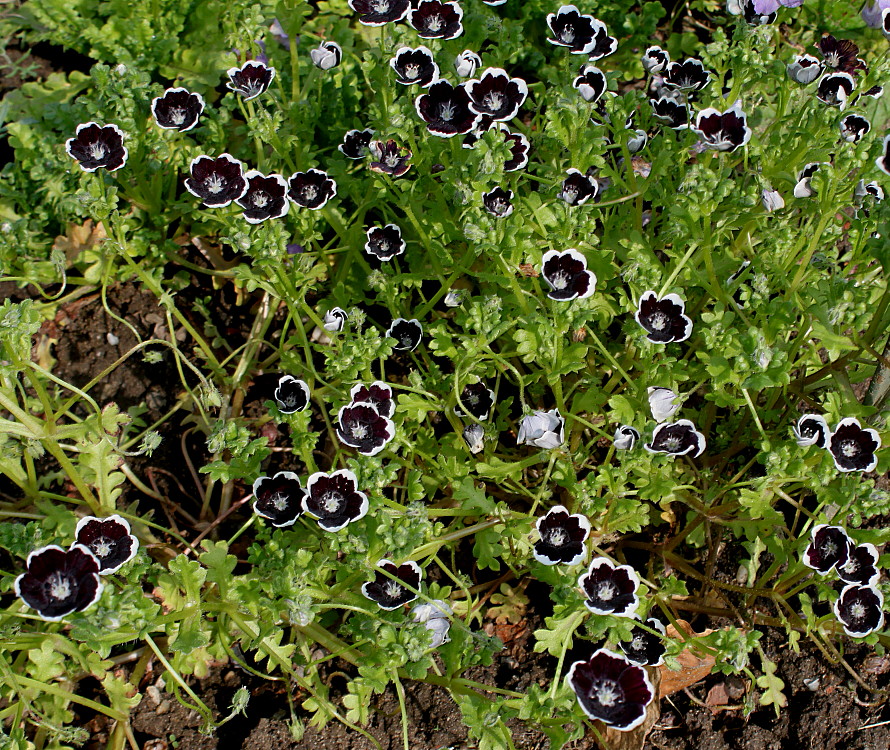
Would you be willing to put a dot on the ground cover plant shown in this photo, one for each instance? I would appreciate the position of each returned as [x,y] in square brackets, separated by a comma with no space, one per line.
[467,324]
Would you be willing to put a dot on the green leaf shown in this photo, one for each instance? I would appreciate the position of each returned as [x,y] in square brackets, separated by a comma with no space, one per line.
[772,686]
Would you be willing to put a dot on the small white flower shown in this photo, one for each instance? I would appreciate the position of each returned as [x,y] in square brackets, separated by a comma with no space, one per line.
[772,200]
[434,615]
[626,437]
[474,435]
[662,402]
[326,56]
[466,63]
[543,429]
[335,319]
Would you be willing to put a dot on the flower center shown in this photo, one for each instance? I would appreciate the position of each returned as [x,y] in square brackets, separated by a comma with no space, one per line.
[849,448]
[391,160]
[252,88]
[412,71]
[570,194]
[672,444]
[59,586]
[493,101]
[310,193]
[858,611]
[558,537]
[331,501]
[407,341]
[829,549]
[638,643]
[606,591]
[97,150]
[360,431]
[658,321]
[607,693]
[392,589]
[383,246]
[560,280]
[833,59]
[435,23]
[499,205]
[177,115]
[214,183]
[279,501]
[567,35]
[446,111]
[260,199]
[380,6]
[102,547]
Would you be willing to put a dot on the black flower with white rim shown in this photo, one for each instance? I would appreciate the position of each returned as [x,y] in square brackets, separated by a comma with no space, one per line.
[804,188]
[498,202]
[861,567]
[811,429]
[610,589]
[835,89]
[865,195]
[519,148]
[217,182]
[662,402]
[804,69]
[380,12]
[433,19]
[385,242]
[578,188]
[496,95]
[678,438]
[477,399]
[840,54]
[251,79]
[360,426]
[655,60]
[279,498]
[355,143]
[312,189]
[109,539]
[582,34]
[57,582]
[561,537]
[688,75]
[392,591]
[853,127]
[567,275]
[326,55]
[291,395]
[97,147]
[723,131]
[266,197]
[177,109]
[853,446]
[670,111]
[388,157]
[378,394]
[875,92]
[446,109]
[611,689]
[591,83]
[645,647]
[625,437]
[542,429]
[334,499]
[414,66]
[860,610]
[334,320]
[883,161]
[407,333]
[467,63]
[829,548]
[664,320]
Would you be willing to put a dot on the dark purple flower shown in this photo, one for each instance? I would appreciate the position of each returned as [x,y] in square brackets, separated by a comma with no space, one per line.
[840,54]
[689,75]
[251,79]
[612,690]
[646,648]
[862,565]
[875,92]
[496,95]
[58,582]
[378,394]
[860,610]
[177,109]
[567,276]
[664,320]
[291,395]
[835,89]
[360,426]
[853,127]
[385,242]
[379,12]
[498,202]
[804,69]
[562,536]
[519,148]
[407,334]
[582,34]
[811,429]
[279,498]
[433,19]
[591,84]
[477,399]
[446,109]
[610,589]
[829,548]
[678,438]
[655,60]
[266,197]
[578,187]
[109,539]
[670,111]
[334,499]
[723,131]
[390,158]
[853,446]
[312,189]
[217,182]
[388,590]
[97,147]
[414,66]
[355,144]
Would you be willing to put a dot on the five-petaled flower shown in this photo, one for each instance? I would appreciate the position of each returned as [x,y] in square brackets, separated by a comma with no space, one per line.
[251,79]
[57,582]
[853,446]
[578,187]
[414,66]
[610,589]
[362,427]
[591,83]
[672,111]
[835,89]
[335,319]
[811,429]
[435,19]
[688,75]
[379,12]
[582,34]
[853,127]
[109,539]
[379,394]
[97,147]
[678,438]
[356,143]
[311,189]
[326,55]
[664,320]
[496,95]
[860,610]
[561,537]
[645,647]
[829,548]
[567,275]
[177,109]
[407,333]
[265,198]
[279,498]
[498,202]
[861,566]
[477,399]
[723,131]
[625,437]
[217,182]
[291,395]
[393,590]
[389,158]
[385,243]
[334,499]
[446,109]
[543,429]
[804,69]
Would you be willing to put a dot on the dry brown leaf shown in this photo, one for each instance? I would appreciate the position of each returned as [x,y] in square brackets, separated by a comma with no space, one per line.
[717,697]
[79,238]
[636,738]
[693,667]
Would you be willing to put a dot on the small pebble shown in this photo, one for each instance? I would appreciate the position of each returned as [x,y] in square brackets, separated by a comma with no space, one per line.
[112,339]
